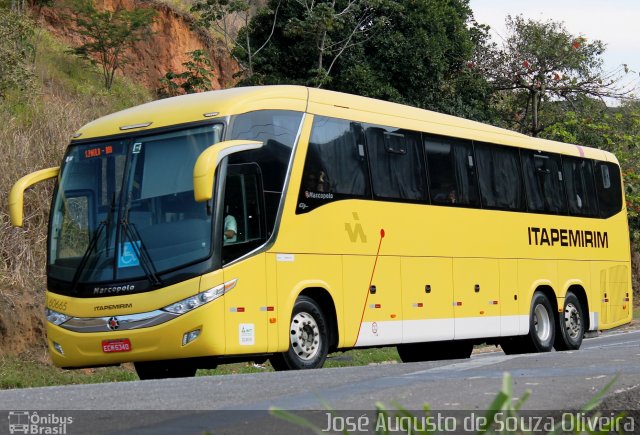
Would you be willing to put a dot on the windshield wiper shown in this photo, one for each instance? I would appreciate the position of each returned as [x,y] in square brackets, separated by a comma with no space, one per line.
[85,258]
[92,244]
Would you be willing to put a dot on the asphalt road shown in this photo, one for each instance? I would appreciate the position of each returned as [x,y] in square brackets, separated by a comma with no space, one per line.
[556,381]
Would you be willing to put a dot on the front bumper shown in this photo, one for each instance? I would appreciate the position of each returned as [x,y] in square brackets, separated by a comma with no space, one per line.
[157,342]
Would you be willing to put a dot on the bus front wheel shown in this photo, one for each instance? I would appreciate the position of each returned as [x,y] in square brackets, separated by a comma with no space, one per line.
[570,324]
[308,338]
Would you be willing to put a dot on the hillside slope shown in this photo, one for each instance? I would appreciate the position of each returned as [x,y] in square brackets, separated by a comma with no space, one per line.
[174,34]
[38,123]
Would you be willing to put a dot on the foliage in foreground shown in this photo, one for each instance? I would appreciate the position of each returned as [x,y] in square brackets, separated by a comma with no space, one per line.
[502,416]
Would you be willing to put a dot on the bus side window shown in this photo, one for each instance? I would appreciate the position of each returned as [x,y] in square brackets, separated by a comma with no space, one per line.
[397,171]
[335,166]
[451,169]
[499,175]
[608,186]
[581,189]
[543,181]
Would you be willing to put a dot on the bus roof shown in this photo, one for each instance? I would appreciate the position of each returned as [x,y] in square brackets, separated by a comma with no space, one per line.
[206,105]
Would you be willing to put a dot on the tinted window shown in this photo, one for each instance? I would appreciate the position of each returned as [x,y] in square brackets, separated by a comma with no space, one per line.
[499,176]
[397,171]
[609,189]
[278,130]
[452,178]
[543,182]
[579,182]
[335,167]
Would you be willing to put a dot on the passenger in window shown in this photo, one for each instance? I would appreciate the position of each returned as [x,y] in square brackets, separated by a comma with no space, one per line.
[230,229]
[451,198]
[318,181]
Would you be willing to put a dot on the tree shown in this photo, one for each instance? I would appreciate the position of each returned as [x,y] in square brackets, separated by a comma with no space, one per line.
[307,40]
[538,64]
[195,78]
[615,129]
[227,17]
[419,57]
[107,34]
[413,52]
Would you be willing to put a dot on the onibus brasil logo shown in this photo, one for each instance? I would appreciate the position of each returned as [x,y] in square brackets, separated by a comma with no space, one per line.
[31,422]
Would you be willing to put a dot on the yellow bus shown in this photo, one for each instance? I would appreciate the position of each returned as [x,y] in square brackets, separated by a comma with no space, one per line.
[284,223]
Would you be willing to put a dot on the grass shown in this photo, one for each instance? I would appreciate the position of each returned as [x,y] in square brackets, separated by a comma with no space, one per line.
[35,371]
[21,372]
[357,357]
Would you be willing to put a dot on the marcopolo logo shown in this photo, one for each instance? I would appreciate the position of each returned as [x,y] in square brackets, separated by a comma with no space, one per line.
[113,290]
[31,422]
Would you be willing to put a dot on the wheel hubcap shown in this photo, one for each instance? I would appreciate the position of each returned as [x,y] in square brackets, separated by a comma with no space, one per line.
[305,336]
[542,323]
[572,320]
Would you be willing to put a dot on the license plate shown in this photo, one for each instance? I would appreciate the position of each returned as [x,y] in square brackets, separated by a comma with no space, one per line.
[120,345]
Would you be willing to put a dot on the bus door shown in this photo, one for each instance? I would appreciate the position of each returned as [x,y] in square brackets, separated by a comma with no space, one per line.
[243,230]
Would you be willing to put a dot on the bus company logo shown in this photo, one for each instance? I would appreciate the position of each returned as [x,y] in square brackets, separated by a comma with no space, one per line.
[113,323]
[112,307]
[567,238]
[113,290]
[355,232]
[28,422]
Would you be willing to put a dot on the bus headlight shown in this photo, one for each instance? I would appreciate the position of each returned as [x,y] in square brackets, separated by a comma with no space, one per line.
[55,317]
[193,302]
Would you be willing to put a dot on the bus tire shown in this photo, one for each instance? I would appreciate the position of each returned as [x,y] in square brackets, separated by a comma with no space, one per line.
[164,369]
[435,351]
[542,331]
[570,326]
[308,338]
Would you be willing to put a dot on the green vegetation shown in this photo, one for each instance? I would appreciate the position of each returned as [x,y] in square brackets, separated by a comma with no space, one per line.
[26,372]
[196,76]
[538,65]
[31,371]
[16,53]
[411,52]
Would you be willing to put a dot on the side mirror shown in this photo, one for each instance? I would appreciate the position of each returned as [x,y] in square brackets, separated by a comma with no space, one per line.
[16,196]
[209,159]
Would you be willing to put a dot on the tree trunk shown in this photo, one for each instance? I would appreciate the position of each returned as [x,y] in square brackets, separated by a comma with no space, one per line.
[534,114]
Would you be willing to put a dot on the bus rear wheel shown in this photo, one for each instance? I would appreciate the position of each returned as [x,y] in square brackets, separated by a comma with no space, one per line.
[164,369]
[435,351]
[570,324]
[542,331]
[308,338]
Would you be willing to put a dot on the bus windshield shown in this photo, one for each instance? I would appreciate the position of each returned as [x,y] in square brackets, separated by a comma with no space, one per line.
[125,209]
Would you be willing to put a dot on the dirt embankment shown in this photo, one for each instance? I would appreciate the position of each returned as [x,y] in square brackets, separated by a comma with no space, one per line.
[173,35]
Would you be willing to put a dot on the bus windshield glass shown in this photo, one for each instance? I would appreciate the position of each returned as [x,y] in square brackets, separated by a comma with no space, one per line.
[125,209]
